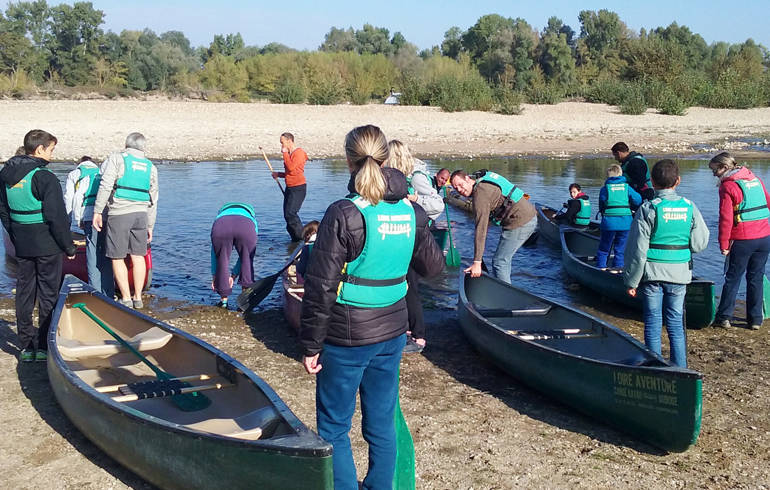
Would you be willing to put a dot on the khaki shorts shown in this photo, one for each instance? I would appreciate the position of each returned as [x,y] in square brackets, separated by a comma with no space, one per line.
[126,234]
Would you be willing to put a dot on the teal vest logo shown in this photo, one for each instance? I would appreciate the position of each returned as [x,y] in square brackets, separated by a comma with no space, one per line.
[617,200]
[134,184]
[670,238]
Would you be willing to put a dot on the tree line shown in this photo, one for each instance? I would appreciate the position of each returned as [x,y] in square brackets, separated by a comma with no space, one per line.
[496,64]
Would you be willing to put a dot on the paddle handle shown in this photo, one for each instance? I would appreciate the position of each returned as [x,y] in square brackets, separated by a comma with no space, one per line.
[155,369]
[271,171]
[448,221]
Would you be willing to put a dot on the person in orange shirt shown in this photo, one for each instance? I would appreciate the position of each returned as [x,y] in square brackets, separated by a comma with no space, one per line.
[296,187]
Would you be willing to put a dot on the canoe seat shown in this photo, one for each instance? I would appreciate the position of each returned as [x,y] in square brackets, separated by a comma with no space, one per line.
[531,310]
[72,349]
[251,426]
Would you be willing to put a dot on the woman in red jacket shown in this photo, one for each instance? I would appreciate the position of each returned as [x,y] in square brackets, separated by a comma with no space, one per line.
[744,237]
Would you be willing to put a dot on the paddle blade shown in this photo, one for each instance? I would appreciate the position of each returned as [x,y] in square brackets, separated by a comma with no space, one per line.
[403,479]
[254,294]
[191,402]
[453,257]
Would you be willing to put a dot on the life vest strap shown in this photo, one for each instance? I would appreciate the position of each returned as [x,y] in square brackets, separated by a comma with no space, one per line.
[360,281]
[28,211]
[748,210]
[132,189]
[669,247]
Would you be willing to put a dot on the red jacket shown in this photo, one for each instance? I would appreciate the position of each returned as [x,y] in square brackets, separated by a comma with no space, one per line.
[730,195]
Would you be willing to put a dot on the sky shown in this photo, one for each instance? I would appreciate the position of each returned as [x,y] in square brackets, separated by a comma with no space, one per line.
[302,24]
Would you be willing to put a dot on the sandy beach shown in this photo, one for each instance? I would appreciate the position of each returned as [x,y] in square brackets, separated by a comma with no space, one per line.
[195,130]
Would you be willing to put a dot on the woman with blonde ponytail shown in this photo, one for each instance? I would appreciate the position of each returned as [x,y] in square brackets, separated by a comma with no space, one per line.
[354,315]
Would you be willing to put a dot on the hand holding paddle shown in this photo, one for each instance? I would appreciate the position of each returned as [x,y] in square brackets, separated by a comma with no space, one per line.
[272,172]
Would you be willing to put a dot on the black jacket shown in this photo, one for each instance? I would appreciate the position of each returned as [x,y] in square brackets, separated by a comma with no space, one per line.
[340,239]
[636,169]
[37,239]
[573,208]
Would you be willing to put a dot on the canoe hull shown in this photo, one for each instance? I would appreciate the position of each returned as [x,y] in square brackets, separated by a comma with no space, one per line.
[659,405]
[700,301]
[172,456]
[292,301]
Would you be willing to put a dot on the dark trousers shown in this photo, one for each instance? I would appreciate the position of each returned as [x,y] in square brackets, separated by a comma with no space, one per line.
[292,201]
[38,278]
[228,232]
[414,304]
[749,257]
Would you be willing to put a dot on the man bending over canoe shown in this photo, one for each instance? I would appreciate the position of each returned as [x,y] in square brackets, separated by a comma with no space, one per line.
[496,200]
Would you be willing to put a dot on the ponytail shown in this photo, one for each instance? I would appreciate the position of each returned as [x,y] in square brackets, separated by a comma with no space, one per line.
[366,149]
[370,183]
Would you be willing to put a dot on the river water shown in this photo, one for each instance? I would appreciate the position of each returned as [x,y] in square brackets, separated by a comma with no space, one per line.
[191,194]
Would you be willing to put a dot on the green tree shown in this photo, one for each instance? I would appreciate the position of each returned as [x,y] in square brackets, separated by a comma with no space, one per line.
[555,57]
[601,36]
[223,74]
[452,44]
[75,40]
[482,37]
[374,40]
[337,40]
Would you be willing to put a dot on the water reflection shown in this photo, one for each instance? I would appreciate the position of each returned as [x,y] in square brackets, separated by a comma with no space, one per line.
[191,194]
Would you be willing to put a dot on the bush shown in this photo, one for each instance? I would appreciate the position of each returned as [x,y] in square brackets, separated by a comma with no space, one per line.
[549,93]
[633,102]
[288,90]
[606,90]
[508,101]
[414,92]
[468,93]
[671,104]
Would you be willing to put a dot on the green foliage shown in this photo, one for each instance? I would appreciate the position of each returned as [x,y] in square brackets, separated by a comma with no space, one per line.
[606,90]
[670,103]
[540,91]
[288,90]
[324,79]
[508,101]
[632,100]
[467,93]
[222,74]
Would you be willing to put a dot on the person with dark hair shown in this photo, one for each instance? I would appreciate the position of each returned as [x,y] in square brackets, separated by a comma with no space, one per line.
[496,200]
[354,316]
[294,159]
[665,233]
[309,233]
[617,200]
[234,227]
[32,212]
[744,237]
[441,178]
[128,191]
[578,213]
[80,191]
[635,169]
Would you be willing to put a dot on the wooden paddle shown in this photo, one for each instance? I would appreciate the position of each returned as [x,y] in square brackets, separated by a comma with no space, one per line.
[254,294]
[452,256]
[188,402]
[271,171]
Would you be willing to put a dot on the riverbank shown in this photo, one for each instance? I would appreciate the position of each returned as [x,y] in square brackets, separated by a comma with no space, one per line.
[473,425]
[196,131]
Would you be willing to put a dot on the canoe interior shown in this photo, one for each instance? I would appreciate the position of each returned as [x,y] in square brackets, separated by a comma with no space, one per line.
[239,411]
[550,230]
[293,290]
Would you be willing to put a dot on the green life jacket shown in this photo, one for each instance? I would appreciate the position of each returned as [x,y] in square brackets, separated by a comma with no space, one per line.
[511,194]
[24,207]
[583,217]
[670,238]
[753,207]
[377,277]
[134,184]
[238,209]
[647,179]
[91,172]
[617,200]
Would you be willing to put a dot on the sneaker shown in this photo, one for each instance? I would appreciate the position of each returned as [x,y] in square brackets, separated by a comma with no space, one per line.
[138,304]
[27,355]
[412,346]
[755,327]
[126,302]
[41,356]
[221,304]
[722,324]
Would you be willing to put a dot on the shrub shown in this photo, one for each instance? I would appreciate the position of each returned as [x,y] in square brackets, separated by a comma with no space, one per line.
[670,103]
[508,101]
[549,93]
[606,90]
[633,102]
[468,93]
[288,90]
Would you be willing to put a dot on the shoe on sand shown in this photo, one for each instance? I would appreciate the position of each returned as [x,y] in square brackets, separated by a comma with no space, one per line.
[138,304]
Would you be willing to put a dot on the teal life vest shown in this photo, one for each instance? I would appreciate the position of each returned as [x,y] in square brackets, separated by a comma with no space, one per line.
[753,207]
[670,238]
[583,217]
[377,277]
[134,184]
[24,207]
[91,172]
[617,200]
[238,209]
[647,179]
[511,194]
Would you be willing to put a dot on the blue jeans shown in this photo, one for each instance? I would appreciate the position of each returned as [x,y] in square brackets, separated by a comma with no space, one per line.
[99,266]
[664,300]
[510,242]
[371,370]
[611,240]
[749,257]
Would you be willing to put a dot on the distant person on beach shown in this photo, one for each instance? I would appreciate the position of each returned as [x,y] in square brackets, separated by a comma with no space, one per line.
[309,234]
[354,316]
[744,237]
[80,191]
[129,192]
[617,200]
[665,233]
[235,227]
[578,212]
[420,190]
[294,159]
[440,179]
[32,212]
[635,169]
[496,200]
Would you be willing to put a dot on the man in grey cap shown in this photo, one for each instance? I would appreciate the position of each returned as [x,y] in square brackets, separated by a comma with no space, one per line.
[129,191]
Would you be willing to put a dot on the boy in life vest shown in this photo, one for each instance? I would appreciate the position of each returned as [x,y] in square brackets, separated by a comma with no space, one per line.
[79,196]
[578,213]
[665,233]
[616,200]
[33,214]
[308,234]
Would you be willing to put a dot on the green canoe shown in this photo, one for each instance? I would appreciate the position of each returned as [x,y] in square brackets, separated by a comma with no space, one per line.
[582,362]
[246,437]
[578,254]
[549,229]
